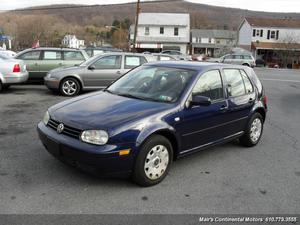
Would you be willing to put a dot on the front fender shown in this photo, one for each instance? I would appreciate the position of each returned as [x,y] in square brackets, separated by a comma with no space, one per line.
[154,128]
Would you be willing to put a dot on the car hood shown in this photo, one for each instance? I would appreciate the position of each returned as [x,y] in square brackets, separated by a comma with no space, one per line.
[104,111]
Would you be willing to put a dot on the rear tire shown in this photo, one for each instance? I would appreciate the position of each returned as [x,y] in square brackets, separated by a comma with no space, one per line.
[246,64]
[69,87]
[153,161]
[253,131]
[1,86]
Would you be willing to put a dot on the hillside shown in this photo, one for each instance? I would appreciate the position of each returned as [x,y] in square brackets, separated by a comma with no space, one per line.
[204,16]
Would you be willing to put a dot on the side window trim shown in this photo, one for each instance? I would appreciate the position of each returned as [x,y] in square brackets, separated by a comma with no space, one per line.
[253,89]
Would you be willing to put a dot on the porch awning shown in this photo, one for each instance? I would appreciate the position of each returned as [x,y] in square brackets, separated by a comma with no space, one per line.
[275,46]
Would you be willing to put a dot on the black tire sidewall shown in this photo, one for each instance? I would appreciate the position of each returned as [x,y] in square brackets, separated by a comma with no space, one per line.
[246,139]
[139,175]
[71,79]
[1,86]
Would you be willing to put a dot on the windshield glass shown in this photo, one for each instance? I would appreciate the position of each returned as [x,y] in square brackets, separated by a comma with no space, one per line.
[153,83]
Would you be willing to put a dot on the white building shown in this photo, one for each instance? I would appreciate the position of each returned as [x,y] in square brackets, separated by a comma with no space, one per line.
[162,31]
[71,41]
[270,38]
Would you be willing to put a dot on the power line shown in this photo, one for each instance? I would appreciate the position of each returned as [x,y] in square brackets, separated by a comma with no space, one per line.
[86,6]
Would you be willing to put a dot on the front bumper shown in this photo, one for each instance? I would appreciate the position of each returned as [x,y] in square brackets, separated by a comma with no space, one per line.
[51,83]
[103,159]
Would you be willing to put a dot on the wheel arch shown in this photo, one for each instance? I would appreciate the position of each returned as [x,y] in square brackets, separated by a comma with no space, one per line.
[168,134]
[76,77]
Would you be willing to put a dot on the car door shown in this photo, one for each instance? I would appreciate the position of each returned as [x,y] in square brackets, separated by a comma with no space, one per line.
[103,71]
[32,60]
[203,125]
[51,59]
[241,98]
[72,58]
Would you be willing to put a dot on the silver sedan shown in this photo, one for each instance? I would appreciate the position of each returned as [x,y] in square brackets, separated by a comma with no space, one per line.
[95,73]
[12,71]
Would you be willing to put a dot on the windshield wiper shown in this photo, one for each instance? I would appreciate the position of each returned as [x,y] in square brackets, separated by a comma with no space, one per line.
[130,96]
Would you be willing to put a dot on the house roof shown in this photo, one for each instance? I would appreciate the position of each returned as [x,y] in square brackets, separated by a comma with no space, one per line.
[264,22]
[166,19]
[226,34]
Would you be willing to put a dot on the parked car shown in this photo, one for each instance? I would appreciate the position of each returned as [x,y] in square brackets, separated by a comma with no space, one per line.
[92,51]
[95,73]
[8,53]
[177,54]
[260,63]
[238,59]
[163,57]
[40,61]
[155,114]
[12,71]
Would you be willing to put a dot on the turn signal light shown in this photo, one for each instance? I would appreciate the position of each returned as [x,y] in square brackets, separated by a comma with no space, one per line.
[124,152]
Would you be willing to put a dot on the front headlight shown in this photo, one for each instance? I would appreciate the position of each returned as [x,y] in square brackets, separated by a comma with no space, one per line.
[96,137]
[46,118]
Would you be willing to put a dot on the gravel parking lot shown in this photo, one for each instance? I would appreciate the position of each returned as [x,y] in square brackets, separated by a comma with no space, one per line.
[224,179]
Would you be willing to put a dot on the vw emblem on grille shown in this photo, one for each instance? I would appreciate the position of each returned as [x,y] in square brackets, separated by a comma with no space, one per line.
[60,128]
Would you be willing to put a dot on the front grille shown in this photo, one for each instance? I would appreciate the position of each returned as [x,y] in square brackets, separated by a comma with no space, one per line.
[69,131]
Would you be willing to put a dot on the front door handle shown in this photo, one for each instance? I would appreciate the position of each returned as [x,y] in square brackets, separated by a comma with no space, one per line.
[118,72]
[223,108]
[251,100]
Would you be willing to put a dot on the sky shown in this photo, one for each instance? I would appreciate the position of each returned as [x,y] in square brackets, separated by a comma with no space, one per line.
[259,5]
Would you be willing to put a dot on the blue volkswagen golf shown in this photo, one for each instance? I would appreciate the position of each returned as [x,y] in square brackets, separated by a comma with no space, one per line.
[155,114]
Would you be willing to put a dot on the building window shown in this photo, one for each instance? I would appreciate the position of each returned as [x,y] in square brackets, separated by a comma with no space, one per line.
[277,34]
[161,30]
[176,29]
[254,32]
[273,34]
[147,30]
[261,33]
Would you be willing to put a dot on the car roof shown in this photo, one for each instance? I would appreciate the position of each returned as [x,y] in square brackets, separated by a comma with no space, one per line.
[198,66]
[52,48]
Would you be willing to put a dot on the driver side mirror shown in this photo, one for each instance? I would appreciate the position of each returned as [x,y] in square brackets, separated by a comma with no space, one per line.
[200,100]
[91,67]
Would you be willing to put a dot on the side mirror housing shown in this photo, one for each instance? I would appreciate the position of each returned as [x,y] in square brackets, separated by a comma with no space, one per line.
[91,67]
[200,100]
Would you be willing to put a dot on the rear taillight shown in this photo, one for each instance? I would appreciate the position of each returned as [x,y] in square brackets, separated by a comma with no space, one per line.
[265,100]
[17,68]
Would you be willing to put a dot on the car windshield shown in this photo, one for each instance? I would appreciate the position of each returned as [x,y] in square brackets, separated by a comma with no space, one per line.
[150,83]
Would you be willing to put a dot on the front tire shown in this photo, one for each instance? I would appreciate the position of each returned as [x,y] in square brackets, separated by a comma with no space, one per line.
[69,87]
[253,131]
[153,161]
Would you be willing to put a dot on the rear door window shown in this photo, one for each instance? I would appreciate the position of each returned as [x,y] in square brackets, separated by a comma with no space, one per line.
[235,83]
[133,61]
[52,55]
[73,55]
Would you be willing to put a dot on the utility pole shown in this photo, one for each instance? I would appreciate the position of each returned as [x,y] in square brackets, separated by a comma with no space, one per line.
[136,24]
